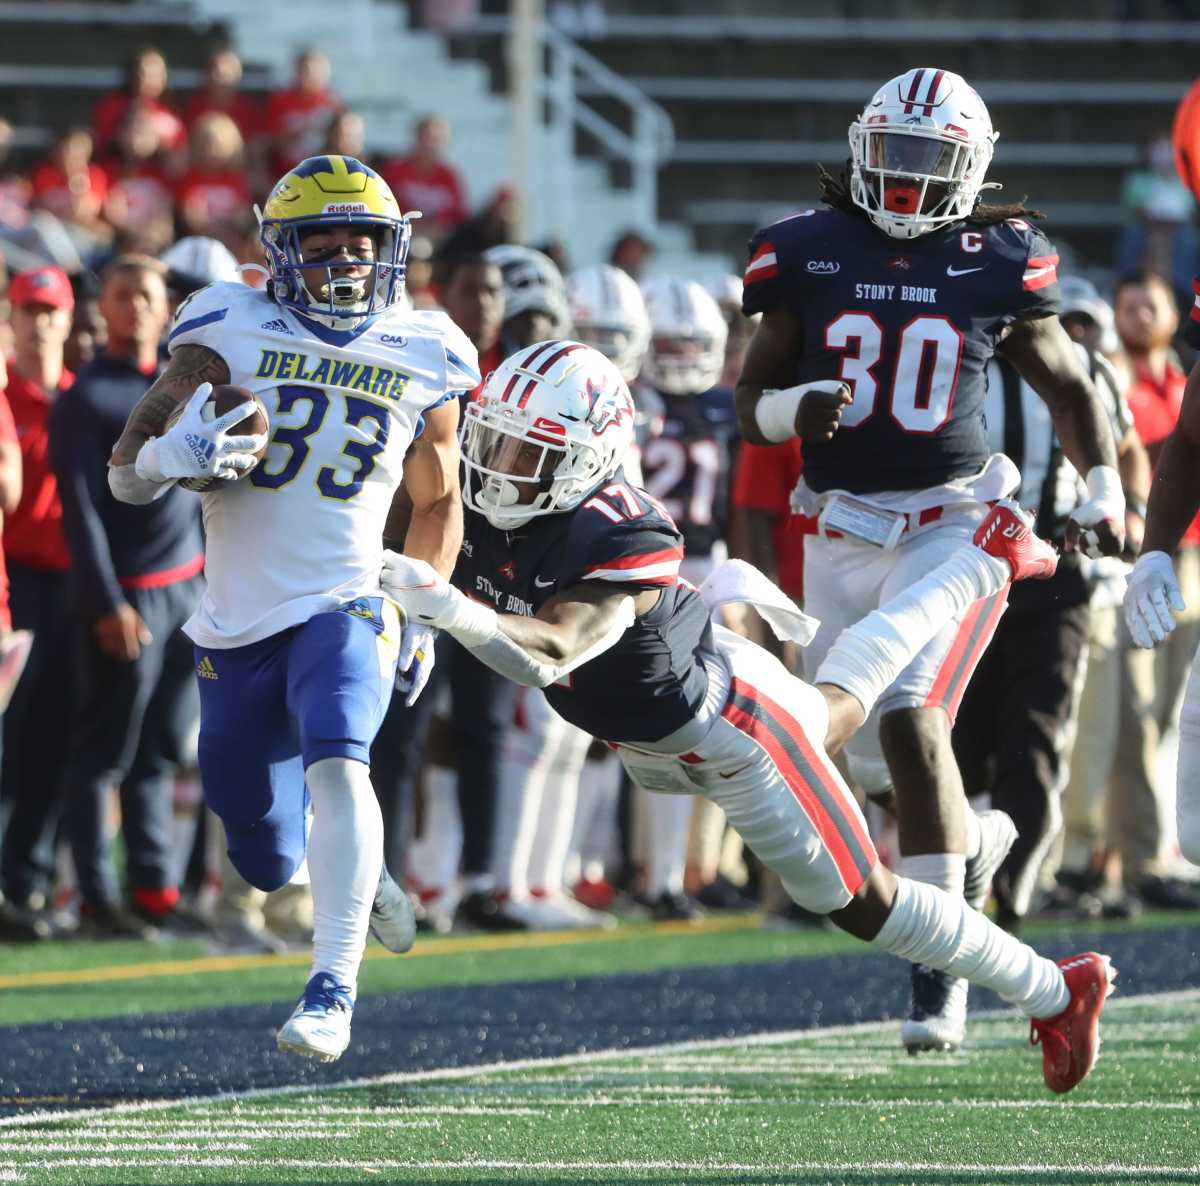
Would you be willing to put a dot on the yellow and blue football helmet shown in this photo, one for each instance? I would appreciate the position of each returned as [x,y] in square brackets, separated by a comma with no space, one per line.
[334,190]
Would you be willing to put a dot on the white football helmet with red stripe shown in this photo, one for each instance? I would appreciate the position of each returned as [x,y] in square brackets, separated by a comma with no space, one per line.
[552,422]
[688,335]
[919,152]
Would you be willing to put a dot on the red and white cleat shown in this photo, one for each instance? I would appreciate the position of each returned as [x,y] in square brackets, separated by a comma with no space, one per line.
[1071,1041]
[1007,535]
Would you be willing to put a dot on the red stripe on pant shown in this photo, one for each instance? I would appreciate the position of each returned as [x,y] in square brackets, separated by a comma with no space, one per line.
[814,788]
[956,669]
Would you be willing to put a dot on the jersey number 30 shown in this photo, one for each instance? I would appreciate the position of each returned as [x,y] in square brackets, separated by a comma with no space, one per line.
[295,437]
[928,354]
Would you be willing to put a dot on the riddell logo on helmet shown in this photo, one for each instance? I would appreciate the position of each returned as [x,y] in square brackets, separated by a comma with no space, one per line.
[346,208]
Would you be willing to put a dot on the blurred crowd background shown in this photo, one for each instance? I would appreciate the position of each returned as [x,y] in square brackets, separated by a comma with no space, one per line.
[498,814]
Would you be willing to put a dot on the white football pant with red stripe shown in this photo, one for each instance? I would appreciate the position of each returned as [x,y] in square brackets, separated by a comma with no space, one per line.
[845,579]
[763,762]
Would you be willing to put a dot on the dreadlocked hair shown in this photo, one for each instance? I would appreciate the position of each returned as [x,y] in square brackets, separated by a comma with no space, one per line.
[835,192]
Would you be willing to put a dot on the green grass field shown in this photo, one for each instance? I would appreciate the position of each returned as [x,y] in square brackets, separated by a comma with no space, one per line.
[829,1106]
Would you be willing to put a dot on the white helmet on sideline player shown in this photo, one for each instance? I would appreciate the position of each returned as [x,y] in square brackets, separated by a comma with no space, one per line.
[919,152]
[687,336]
[556,417]
[532,283]
[610,315]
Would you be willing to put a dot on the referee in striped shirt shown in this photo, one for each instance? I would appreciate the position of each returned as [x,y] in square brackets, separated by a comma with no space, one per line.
[1015,726]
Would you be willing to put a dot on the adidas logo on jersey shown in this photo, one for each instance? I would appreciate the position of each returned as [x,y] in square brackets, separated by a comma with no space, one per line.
[278,326]
[206,670]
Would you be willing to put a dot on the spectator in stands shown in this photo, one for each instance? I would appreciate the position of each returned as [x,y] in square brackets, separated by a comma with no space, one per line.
[1146,321]
[134,581]
[145,91]
[222,80]
[423,179]
[418,275]
[71,185]
[14,185]
[212,195]
[495,224]
[36,551]
[140,204]
[1161,237]
[631,251]
[347,136]
[296,117]
[88,332]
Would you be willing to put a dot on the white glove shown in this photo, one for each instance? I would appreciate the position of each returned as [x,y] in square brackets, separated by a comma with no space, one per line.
[428,599]
[198,447]
[1105,501]
[1151,593]
[416,661]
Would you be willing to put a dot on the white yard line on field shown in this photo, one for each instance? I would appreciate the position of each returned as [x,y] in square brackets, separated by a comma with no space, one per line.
[1116,1172]
[484,1070]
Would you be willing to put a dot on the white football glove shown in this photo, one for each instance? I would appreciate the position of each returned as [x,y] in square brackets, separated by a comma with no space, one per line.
[1151,593]
[1105,503]
[417,658]
[198,447]
[428,599]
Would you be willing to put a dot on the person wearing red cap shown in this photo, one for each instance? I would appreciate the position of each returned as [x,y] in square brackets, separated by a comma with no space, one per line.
[36,550]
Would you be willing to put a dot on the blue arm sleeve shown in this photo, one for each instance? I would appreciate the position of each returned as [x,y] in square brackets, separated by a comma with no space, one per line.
[80,458]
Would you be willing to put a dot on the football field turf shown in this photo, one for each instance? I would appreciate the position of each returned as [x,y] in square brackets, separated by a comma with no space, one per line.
[659,1053]
[844,1105]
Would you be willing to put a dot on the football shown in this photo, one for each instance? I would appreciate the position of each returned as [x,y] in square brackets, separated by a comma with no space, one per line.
[224,397]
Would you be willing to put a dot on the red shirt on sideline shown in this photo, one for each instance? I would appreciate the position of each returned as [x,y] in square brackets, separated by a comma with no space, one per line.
[764,480]
[33,533]
[109,112]
[300,118]
[242,110]
[8,433]
[436,192]
[1154,405]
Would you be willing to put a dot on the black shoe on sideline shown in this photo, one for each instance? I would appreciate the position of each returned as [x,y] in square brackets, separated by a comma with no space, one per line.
[485,912]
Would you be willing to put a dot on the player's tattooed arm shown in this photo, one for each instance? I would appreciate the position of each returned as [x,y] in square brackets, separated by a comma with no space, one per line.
[1052,365]
[431,496]
[1175,490]
[189,367]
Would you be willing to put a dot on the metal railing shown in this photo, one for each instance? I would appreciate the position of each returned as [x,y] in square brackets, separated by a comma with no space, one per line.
[569,74]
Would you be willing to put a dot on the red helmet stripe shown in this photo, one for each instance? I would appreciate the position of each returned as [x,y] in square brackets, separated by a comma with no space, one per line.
[523,365]
[545,368]
[911,97]
[931,94]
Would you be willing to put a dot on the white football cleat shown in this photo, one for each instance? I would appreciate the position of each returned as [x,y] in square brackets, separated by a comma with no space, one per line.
[393,921]
[937,1015]
[557,912]
[319,1026]
[997,835]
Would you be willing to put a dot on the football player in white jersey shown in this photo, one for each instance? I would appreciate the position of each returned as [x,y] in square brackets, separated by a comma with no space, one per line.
[296,646]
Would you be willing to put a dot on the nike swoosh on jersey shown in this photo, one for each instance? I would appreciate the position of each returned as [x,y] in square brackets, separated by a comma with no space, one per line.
[952,271]
[543,584]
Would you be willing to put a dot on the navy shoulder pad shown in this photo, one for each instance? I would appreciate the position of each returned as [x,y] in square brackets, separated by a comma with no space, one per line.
[776,255]
[621,534]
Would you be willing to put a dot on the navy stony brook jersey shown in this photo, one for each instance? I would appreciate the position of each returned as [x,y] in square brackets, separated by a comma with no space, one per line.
[909,325]
[687,464]
[652,681]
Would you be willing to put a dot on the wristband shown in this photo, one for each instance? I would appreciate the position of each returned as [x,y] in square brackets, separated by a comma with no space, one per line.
[775,413]
[1104,487]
